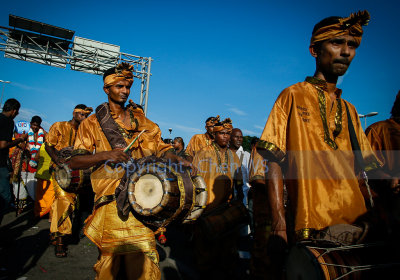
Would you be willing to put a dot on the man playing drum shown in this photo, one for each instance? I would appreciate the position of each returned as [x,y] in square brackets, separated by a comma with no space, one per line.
[62,135]
[307,142]
[127,247]
[217,257]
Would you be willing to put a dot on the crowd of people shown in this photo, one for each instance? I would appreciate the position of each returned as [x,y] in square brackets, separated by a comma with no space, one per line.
[304,182]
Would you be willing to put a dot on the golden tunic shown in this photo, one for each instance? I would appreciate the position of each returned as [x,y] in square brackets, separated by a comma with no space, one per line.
[308,132]
[61,135]
[384,137]
[219,171]
[197,142]
[111,233]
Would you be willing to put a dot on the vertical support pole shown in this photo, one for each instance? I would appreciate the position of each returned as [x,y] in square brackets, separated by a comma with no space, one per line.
[147,86]
[142,65]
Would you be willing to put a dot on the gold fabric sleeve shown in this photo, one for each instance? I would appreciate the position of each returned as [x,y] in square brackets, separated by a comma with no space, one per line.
[61,135]
[197,142]
[384,137]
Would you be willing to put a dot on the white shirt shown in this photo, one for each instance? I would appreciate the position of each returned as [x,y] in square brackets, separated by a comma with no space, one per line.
[245,165]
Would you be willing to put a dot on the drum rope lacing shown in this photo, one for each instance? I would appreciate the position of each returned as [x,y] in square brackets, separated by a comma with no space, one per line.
[352,268]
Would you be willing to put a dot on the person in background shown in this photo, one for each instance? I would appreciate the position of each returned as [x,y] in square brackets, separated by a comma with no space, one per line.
[179,149]
[216,256]
[62,135]
[9,112]
[384,137]
[198,141]
[25,159]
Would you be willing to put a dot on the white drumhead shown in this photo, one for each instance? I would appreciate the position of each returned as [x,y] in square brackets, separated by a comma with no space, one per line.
[63,177]
[148,191]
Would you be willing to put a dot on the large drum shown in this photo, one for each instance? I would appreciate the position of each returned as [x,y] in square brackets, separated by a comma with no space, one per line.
[320,262]
[161,193]
[70,180]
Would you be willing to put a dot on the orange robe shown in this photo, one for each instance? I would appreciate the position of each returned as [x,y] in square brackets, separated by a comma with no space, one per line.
[384,137]
[308,132]
[113,235]
[197,142]
[220,171]
[44,187]
[61,135]
[220,184]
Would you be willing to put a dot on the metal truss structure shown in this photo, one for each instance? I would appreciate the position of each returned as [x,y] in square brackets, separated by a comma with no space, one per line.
[53,46]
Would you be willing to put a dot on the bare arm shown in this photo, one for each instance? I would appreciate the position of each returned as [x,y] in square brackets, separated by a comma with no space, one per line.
[275,199]
[52,153]
[6,144]
[87,161]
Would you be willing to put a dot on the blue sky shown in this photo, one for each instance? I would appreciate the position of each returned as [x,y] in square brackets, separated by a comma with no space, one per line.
[230,58]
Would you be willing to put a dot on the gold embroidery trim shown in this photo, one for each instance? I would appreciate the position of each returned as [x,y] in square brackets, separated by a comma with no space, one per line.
[304,234]
[338,118]
[79,152]
[66,214]
[322,110]
[276,152]
[104,200]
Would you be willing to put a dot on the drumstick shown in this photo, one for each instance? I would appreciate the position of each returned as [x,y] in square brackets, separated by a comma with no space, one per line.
[134,140]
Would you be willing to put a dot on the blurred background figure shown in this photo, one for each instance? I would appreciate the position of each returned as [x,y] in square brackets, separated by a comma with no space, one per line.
[179,149]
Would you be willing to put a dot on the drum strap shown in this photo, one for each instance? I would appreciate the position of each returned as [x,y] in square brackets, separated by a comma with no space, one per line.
[104,200]
[357,153]
[110,127]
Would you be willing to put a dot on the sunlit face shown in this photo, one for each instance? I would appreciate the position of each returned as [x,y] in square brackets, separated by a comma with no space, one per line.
[236,139]
[35,127]
[176,144]
[118,93]
[222,137]
[209,129]
[79,116]
[335,55]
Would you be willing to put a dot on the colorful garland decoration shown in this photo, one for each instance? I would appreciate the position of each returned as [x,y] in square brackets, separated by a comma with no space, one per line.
[34,147]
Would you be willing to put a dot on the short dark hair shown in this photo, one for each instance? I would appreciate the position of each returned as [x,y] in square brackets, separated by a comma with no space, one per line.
[36,119]
[180,140]
[81,106]
[108,72]
[11,104]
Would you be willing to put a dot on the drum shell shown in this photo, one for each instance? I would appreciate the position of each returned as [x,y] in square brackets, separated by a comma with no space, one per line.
[200,201]
[226,218]
[71,180]
[315,262]
[177,198]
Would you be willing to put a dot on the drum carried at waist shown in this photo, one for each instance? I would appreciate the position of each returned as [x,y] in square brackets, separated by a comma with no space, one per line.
[70,180]
[315,261]
[161,193]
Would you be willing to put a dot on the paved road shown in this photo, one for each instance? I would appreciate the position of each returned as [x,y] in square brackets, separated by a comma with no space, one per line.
[25,253]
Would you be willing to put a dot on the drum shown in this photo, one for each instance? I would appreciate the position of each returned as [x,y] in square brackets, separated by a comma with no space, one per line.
[200,201]
[71,180]
[160,193]
[362,261]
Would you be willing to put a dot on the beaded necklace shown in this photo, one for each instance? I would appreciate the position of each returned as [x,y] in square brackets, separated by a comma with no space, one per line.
[126,133]
[222,169]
